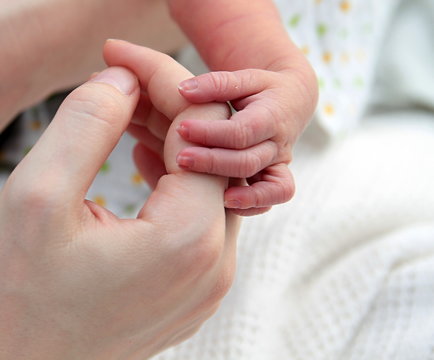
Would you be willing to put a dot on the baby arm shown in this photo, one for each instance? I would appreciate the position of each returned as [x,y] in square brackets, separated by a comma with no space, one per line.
[266,79]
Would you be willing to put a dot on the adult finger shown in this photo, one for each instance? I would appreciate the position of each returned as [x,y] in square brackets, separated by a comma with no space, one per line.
[149,164]
[224,86]
[146,115]
[181,195]
[142,134]
[160,82]
[143,109]
[159,75]
[82,134]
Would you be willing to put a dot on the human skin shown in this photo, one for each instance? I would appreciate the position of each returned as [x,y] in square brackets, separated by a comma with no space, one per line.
[47,46]
[275,100]
[268,81]
[76,282]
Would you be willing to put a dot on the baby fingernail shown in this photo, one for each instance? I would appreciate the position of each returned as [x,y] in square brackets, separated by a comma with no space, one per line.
[188,85]
[233,204]
[185,161]
[183,131]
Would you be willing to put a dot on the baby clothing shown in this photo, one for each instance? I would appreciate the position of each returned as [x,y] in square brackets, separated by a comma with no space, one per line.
[341,39]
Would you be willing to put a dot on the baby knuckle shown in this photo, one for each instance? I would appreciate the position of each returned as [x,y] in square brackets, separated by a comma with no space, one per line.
[287,190]
[252,164]
[283,153]
[212,164]
[308,84]
[286,157]
[243,135]
[219,81]
[245,78]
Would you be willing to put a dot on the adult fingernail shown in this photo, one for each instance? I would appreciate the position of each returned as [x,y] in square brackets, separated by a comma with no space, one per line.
[188,85]
[119,77]
[185,161]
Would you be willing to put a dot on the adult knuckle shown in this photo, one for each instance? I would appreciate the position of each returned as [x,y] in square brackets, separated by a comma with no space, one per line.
[105,108]
[218,290]
[198,257]
[33,197]
[222,285]
[206,254]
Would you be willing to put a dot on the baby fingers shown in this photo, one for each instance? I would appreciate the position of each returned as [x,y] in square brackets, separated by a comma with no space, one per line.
[246,128]
[225,85]
[225,162]
[274,185]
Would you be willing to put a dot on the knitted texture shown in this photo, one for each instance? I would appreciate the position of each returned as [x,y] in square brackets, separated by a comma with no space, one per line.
[346,269]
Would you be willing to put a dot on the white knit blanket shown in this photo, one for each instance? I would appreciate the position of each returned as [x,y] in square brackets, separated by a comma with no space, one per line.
[346,269]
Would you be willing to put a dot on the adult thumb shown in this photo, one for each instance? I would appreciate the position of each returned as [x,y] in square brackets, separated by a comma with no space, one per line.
[81,136]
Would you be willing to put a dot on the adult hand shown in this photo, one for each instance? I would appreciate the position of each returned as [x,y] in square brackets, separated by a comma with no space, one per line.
[76,282]
[48,46]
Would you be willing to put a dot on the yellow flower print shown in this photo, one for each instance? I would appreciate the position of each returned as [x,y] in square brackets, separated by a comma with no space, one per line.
[327,57]
[100,200]
[329,110]
[305,50]
[136,179]
[345,6]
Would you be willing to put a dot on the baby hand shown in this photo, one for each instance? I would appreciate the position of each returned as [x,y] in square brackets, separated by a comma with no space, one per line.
[256,142]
